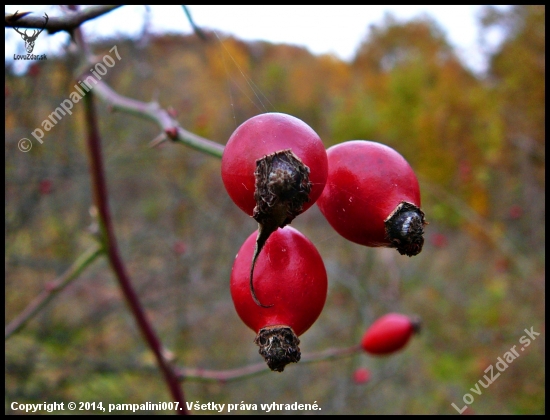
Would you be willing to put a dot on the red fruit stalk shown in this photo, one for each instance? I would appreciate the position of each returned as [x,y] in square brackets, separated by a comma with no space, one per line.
[274,167]
[389,334]
[372,197]
[291,277]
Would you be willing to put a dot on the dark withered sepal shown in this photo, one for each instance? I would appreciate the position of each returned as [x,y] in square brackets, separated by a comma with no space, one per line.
[278,346]
[405,229]
[282,188]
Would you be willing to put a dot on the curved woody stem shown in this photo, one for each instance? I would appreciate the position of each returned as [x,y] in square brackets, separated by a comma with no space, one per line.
[51,290]
[99,186]
[153,112]
[107,234]
[68,22]
[230,375]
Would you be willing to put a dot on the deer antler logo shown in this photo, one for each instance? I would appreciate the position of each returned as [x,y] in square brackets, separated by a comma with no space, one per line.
[30,39]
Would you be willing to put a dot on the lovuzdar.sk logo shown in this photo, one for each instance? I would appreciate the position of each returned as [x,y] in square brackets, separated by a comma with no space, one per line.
[30,40]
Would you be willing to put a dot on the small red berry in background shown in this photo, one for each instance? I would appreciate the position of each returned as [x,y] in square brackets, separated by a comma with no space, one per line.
[180,247]
[389,334]
[45,187]
[34,69]
[465,171]
[515,212]
[291,277]
[274,167]
[439,240]
[502,265]
[372,197]
[361,376]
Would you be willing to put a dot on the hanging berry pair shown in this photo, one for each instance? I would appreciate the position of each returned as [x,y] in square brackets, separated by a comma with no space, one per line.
[274,167]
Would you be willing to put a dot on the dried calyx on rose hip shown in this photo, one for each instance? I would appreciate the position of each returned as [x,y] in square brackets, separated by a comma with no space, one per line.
[372,197]
[278,346]
[274,167]
[281,190]
[389,333]
[291,276]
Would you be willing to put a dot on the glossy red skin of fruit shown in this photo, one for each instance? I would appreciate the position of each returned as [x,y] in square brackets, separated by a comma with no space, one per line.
[262,135]
[366,182]
[289,274]
[388,334]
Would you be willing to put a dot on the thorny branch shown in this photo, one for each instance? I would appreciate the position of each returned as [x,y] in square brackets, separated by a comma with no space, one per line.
[101,201]
[52,289]
[67,22]
[153,112]
[197,30]
[100,193]
[205,375]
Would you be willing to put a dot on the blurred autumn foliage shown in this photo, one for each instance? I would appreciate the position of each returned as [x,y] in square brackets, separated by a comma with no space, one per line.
[476,143]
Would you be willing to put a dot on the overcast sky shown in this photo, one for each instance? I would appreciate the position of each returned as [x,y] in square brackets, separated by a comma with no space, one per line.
[321,29]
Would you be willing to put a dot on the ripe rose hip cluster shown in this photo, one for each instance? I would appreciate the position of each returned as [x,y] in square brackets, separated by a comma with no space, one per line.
[275,167]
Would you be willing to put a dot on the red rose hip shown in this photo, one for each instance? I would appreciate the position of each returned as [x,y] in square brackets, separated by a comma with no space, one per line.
[372,197]
[361,376]
[389,334]
[291,277]
[261,136]
[274,167]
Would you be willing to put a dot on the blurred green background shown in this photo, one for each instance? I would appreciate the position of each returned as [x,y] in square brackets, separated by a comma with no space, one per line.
[476,143]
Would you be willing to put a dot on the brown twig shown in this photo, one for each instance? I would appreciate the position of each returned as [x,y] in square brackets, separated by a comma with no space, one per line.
[52,289]
[198,31]
[55,24]
[99,187]
[100,193]
[153,112]
[236,374]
